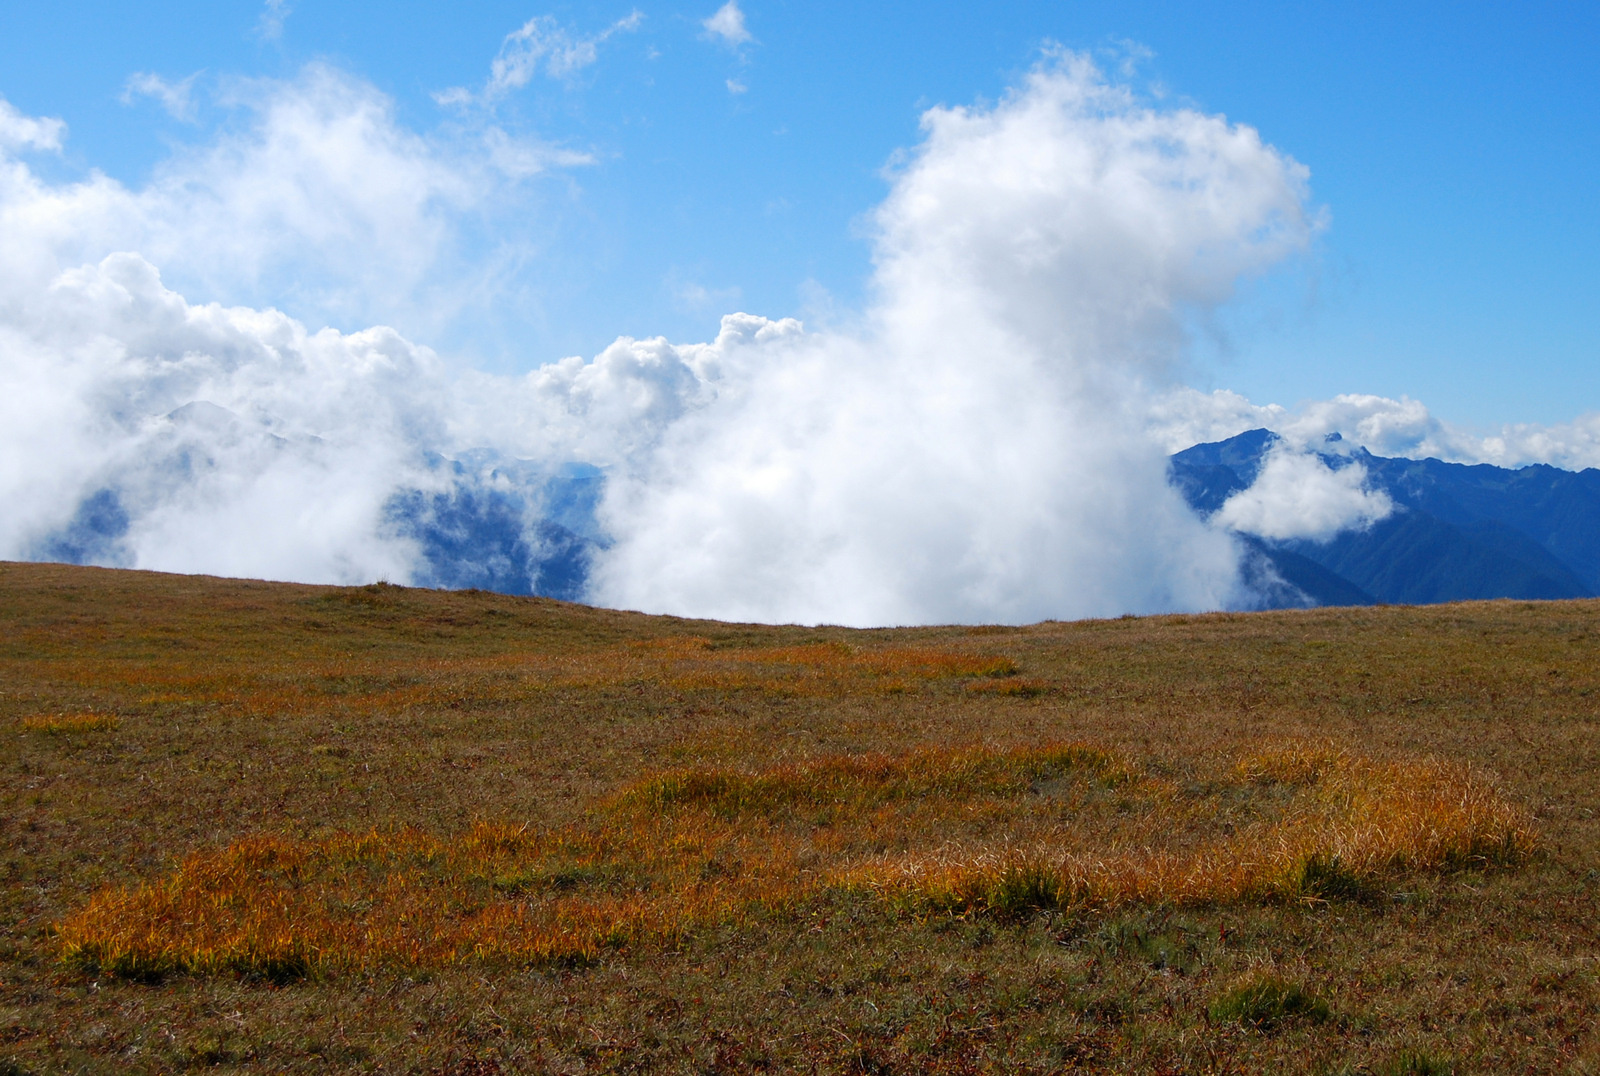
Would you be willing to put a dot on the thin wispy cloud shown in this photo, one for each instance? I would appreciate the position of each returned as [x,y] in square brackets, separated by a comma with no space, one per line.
[521,157]
[727,25]
[695,296]
[541,46]
[269,27]
[176,98]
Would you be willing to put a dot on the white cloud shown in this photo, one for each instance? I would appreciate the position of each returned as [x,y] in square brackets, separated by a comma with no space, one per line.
[1383,426]
[736,87]
[520,158]
[1297,495]
[1573,445]
[974,448]
[540,46]
[231,438]
[28,132]
[1181,417]
[269,27]
[236,441]
[176,97]
[317,200]
[976,452]
[728,25]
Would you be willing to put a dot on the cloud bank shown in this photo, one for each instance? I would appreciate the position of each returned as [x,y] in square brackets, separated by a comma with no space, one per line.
[985,444]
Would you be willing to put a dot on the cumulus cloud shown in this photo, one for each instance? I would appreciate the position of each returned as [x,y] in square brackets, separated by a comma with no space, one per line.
[976,448]
[177,98]
[1299,495]
[1383,426]
[727,25]
[235,441]
[977,451]
[318,199]
[539,46]
[137,428]
[227,440]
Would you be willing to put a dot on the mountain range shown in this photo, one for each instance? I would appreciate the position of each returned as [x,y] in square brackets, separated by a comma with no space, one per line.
[1458,531]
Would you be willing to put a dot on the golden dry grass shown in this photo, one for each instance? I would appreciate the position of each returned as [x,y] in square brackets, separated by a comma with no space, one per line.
[1060,826]
[86,722]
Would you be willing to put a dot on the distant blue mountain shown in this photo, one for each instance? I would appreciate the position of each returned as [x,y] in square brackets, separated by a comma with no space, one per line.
[481,521]
[92,535]
[505,526]
[1458,532]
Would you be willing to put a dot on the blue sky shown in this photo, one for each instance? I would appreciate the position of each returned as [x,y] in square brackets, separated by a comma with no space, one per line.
[1453,147]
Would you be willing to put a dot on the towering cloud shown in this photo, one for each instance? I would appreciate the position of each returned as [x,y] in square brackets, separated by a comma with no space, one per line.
[978,448]
[978,451]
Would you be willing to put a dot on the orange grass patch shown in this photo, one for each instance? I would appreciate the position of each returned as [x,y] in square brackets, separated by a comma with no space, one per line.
[83,722]
[996,831]
[1341,827]
[688,663]
[694,663]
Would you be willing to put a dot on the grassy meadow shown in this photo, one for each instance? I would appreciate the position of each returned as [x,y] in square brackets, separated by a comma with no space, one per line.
[277,828]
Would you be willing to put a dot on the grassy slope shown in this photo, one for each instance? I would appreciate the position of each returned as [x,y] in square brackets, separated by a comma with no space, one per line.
[251,708]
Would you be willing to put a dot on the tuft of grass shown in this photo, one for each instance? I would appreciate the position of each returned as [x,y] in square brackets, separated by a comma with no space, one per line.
[1161,945]
[1012,686]
[1265,1002]
[1339,837]
[80,722]
[1416,1063]
[1323,877]
[1294,763]
[1023,887]
[855,784]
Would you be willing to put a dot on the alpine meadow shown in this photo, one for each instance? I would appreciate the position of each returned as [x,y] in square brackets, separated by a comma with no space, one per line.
[828,539]
[265,827]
